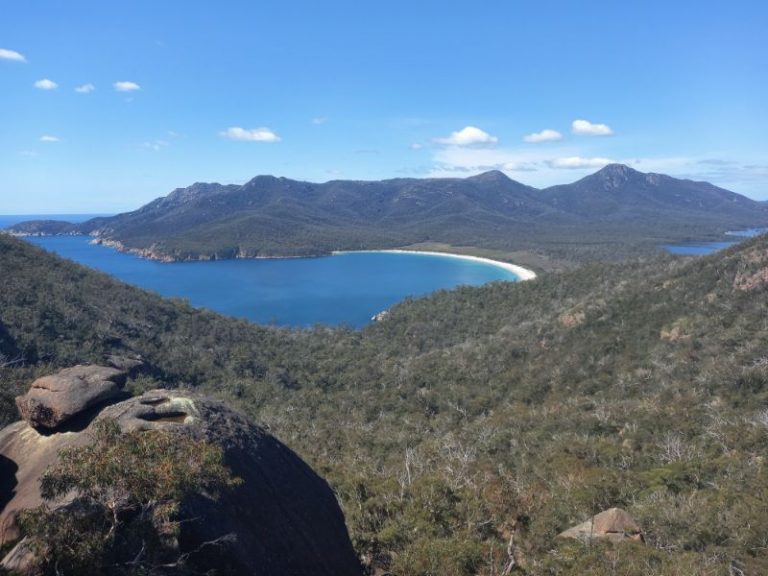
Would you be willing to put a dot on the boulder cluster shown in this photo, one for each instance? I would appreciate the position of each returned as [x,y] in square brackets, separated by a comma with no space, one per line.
[283,519]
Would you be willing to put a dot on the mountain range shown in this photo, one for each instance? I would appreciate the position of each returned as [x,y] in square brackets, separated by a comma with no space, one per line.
[613,211]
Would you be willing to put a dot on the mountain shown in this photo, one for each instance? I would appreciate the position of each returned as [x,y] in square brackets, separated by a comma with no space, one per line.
[479,416]
[616,210]
[620,193]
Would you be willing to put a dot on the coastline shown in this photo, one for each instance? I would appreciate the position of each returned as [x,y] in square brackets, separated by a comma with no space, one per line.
[521,273]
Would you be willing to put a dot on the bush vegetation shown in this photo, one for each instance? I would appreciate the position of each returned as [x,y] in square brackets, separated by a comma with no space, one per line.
[126,515]
[477,415]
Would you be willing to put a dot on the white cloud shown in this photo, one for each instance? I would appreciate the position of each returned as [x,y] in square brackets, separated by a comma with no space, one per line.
[126,86]
[319,120]
[48,138]
[468,136]
[85,89]
[546,135]
[252,135]
[587,128]
[416,146]
[46,84]
[526,164]
[575,162]
[546,166]
[6,54]
[535,166]
[156,145]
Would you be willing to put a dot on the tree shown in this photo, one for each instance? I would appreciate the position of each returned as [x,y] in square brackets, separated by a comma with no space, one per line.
[125,513]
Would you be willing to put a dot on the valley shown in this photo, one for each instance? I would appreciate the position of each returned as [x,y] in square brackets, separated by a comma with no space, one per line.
[470,413]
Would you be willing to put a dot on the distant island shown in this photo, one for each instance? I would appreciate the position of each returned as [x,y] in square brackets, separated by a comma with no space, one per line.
[611,214]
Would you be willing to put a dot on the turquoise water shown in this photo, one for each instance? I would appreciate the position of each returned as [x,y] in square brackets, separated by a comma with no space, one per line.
[343,289]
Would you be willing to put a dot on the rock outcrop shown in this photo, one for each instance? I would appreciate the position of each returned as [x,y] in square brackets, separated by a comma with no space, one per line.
[132,365]
[613,524]
[52,400]
[283,519]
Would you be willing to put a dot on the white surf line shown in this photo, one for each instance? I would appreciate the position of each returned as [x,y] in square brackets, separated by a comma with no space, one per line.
[519,271]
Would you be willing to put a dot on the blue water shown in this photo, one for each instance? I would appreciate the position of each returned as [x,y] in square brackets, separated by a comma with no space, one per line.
[703,248]
[697,249]
[748,233]
[343,289]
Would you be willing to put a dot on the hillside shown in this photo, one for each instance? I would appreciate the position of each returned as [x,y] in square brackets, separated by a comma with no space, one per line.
[610,214]
[479,413]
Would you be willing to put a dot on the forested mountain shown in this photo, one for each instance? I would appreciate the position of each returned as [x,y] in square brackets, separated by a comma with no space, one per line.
[620,193]
[476,414]
[614,212]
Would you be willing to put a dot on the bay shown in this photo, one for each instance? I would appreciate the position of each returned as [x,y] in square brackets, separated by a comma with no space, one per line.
[343,289]
[697,249]
[703,248]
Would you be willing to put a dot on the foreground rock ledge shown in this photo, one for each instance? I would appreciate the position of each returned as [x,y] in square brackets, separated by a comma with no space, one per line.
[285,518]
[53,400]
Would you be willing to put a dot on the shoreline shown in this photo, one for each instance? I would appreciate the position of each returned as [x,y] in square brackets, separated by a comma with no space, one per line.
[521,273]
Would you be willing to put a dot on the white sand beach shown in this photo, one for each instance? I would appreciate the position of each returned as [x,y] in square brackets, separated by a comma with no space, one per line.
[519,271]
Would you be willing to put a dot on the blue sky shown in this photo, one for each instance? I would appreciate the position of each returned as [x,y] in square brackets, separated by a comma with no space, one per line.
[174,92]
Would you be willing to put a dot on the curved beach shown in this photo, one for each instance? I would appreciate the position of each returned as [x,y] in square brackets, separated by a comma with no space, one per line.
[519,271]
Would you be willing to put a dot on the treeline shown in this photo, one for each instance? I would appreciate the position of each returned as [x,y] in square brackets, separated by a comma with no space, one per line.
[475,413]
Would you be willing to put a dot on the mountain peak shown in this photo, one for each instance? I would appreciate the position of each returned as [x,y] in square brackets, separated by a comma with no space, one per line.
[196,190]
[617,170]
[262,179]
[614,176]
[492,176]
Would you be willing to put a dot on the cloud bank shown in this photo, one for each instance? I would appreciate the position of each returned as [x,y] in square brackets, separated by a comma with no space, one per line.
[575,162]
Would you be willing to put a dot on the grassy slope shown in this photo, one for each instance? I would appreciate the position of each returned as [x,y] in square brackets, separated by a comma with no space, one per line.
[475,412]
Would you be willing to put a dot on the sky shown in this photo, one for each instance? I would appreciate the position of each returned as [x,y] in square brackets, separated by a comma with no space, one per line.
[105,106]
